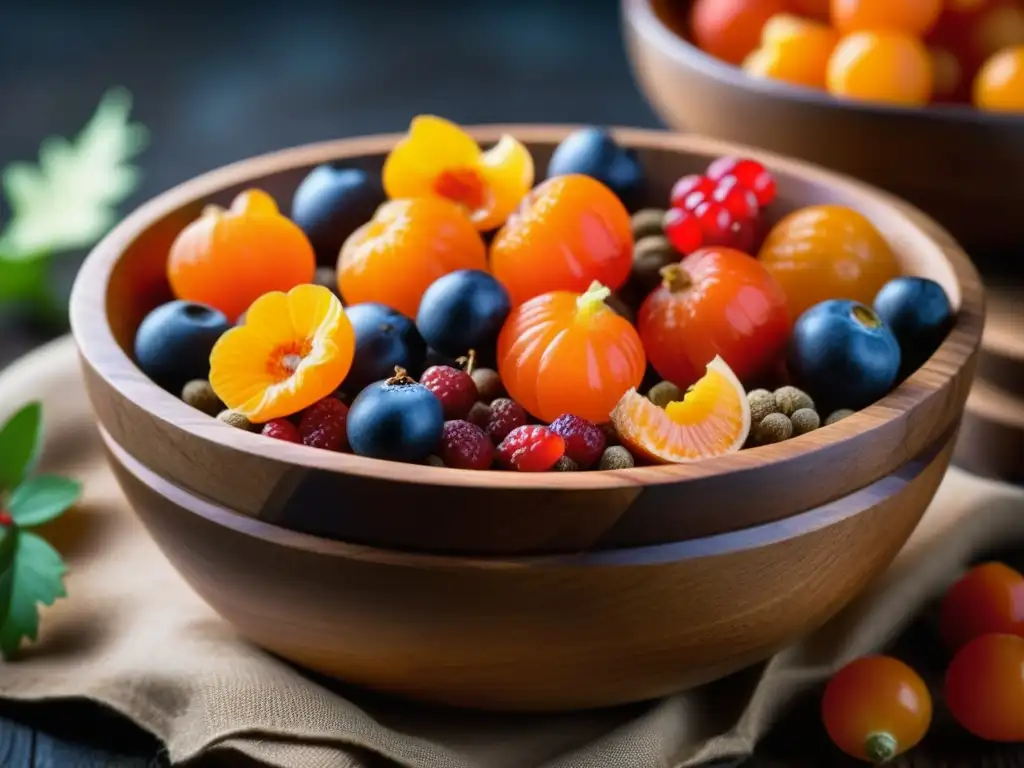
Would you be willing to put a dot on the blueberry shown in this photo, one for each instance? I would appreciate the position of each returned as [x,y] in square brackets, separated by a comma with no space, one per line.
[331,203]
[593,152]
[461,311]
[843,355]
[174,341]
[919,315]
[395,419]
[385,338]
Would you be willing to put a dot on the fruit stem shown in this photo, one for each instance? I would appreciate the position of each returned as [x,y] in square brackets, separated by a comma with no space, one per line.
[880,747]
[400,377]
[588,303]
[675,278]
[468,362]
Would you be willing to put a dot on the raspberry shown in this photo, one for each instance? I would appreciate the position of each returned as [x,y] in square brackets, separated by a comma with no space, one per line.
[532,448]
[282,429]
[584,440]
[479,414]
[323,425]
[505,416]
[454,388]
[465,446]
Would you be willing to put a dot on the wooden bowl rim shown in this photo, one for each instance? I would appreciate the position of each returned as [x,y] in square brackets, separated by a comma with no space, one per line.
[642,15]
[99,348]
[729,542]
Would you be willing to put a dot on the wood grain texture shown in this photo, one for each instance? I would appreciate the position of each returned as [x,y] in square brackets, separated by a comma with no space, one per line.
[976,191]
[366,501]
[540,633]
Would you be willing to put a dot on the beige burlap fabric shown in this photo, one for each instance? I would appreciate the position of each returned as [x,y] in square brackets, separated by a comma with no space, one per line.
[132,635]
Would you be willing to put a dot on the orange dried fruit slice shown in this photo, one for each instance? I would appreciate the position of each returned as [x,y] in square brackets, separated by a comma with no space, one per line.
[713,419]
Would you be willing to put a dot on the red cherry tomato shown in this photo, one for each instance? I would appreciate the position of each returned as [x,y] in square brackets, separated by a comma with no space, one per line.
[988,598]
[985,687]
[717,301]
[876,708]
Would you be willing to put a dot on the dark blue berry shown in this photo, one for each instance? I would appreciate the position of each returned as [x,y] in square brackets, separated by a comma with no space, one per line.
[919,315]
[331,203]
[385,338]
[843,355]
[461,311]
[593,152]
[395,419]
[174,341]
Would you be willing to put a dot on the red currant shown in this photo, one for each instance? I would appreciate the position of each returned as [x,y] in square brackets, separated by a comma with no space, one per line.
[683,230]
[716,223]
[743,235]
[687,184]
[738,200]
[749,173]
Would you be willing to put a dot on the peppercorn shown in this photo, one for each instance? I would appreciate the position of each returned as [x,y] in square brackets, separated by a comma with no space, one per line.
[805,420]
[434,461]
[790,400]
[326,277]
[665,392]
[200,395]
[616,457]
[621,308]
[488,384]
[647,222]
[762,403]
[774,428]
[839,415]
[236,420]
[565,464]
[650,255]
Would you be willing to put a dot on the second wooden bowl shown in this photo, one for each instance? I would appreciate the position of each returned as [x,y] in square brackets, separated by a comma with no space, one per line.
[438,510]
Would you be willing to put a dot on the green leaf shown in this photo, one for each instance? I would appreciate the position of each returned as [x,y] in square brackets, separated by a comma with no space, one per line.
[20,441]
[34,576]
[68,201]
[40,499]
[25,279]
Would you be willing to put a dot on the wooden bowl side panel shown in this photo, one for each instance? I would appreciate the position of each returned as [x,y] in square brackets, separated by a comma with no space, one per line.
[534,634]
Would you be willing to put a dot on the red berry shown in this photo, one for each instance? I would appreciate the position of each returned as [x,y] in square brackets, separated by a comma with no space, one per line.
[5,519]
[454,388]
[743,236]
[687,184]
[716,223]
[465,446]
[532,448]
[282,429]
[682,230]
[737,199]
[584,440]
[323,425]
[506,415]
[749,173]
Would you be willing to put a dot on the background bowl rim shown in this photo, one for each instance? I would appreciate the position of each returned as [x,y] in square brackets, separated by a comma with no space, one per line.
[98,347]
[641,15]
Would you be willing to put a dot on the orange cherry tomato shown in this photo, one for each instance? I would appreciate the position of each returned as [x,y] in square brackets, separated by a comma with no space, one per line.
[564,352]
[911,17]
[985,687]
[886,67]
[793,50]
[717,301]
[989,598]
[570,231]
[827,252]
[731,29]
[999,86]
[876,708]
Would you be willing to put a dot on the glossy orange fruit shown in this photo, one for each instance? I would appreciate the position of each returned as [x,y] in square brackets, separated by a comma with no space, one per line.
[985,687]
[793,50]
[813,9]
[884,67]
[827,252]
[988,598]
[999,85]
[393,258]
[731,29]
[911,17]
[565,352]
[229,258]
[876,708]
[713,419]
[293,350]
[569,232]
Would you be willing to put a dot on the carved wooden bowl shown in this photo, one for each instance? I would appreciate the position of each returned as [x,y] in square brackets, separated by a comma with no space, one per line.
[439,510]
[974,189]
[517,591]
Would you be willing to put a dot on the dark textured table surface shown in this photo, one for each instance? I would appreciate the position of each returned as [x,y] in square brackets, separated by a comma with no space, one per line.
[222,81]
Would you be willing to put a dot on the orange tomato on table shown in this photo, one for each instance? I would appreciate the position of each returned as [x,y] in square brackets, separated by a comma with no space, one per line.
[985,687]
[731,29]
